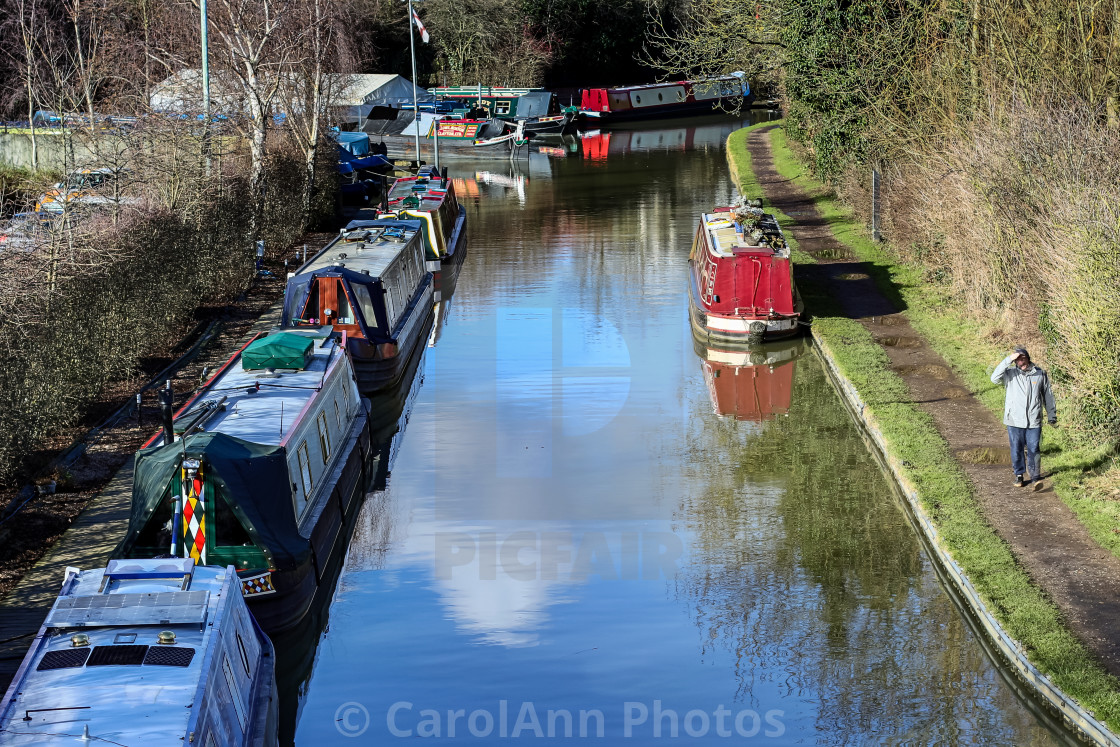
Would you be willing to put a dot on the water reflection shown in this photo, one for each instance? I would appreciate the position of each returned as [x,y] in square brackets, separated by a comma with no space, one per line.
[697,133]
[569,525]
[295,649]
[750,384]
[802,571]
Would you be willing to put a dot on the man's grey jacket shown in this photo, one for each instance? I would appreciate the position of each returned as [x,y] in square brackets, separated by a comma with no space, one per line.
[1027,393]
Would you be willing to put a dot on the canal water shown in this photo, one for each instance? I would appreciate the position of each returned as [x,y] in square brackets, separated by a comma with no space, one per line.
[594,527]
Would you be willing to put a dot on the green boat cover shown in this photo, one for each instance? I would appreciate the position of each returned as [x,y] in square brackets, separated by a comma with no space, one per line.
[252,478]
[279,350]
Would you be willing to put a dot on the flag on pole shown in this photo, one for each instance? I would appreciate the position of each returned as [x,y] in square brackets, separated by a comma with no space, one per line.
[420,26]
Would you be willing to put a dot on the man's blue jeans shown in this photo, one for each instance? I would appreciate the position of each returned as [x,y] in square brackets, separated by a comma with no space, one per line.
[1024,439]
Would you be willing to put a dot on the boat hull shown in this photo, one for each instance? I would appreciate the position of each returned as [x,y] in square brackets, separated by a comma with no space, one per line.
[401,147]
[445,271]
[296,589]
[589,119]
[709,326]
[544,126]
[375,372]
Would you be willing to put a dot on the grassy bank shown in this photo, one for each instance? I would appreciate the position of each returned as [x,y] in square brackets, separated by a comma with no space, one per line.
[968,347]
[920,451]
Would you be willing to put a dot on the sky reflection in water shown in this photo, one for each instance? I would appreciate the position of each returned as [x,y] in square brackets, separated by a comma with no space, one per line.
[589,513]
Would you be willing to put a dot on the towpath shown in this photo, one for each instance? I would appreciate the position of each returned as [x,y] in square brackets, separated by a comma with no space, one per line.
[86,544]
[1045,536]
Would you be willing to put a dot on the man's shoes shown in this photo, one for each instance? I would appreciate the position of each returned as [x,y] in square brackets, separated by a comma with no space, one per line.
[1036,484]
[1019,481]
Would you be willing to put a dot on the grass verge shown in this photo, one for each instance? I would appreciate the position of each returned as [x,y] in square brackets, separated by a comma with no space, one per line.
[922,454]
[1077,468]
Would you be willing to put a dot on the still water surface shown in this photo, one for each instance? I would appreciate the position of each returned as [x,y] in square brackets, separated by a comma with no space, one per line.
[594,524]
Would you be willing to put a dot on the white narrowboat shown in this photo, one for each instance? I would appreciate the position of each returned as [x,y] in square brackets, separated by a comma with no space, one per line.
[146,652]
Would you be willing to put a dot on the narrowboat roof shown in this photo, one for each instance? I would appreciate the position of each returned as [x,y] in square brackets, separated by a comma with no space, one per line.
[738,76]
[259,406]
[123,685]
[369,247]
[430,193]
[728,238]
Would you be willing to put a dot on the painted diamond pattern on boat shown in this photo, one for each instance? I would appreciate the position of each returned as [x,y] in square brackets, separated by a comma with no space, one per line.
[259,584]
[64,659]
[194,514]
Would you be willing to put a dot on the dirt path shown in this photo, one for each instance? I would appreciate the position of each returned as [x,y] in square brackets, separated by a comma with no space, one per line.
[1077,573]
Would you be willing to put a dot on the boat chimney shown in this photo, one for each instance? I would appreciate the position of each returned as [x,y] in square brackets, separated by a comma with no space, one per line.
[384,194]
[166,397]
[443,177]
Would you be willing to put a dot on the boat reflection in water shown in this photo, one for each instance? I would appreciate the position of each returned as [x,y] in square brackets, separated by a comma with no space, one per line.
[295,649]
[700,133]
[753,384]
[389,413]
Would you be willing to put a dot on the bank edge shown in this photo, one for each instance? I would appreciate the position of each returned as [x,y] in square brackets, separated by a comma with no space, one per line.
[1020,622]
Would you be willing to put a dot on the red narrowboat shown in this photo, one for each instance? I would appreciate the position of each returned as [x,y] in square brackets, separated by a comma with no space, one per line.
[682,97]
[741,287]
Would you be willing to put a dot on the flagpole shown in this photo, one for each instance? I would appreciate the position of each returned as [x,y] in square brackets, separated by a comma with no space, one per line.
[415,105]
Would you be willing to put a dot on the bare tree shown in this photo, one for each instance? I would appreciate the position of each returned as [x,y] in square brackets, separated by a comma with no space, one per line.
[308,88]
[254,50]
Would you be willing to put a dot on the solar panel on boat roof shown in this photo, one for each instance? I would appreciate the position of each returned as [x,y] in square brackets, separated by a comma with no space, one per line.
[165,607]
[66,658]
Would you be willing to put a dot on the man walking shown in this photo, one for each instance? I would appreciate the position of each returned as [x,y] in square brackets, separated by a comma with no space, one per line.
[1028,391]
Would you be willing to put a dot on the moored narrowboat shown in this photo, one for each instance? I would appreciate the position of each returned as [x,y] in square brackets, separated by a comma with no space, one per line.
[741,287]
[369,283]
[260,470]
[430,198]
[453,138]
[146,652]
[678,98]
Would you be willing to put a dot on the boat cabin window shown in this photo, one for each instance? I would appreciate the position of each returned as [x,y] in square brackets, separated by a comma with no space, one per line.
[310,313]
[365,304]
[305,476]
[234,692]
[156,535]
[324,437]
[338,414]
[345,313]
[389,284]
[501,107]
[244,656]
[228,531]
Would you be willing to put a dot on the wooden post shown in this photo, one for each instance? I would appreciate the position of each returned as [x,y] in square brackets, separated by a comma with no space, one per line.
[875,234]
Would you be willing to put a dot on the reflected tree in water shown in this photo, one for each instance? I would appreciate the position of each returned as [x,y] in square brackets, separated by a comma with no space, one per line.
[804,568]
